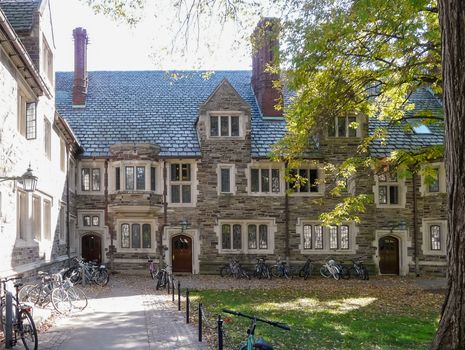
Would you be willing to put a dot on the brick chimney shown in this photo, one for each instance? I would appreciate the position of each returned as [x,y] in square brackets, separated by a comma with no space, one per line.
[80,67]
[265,43]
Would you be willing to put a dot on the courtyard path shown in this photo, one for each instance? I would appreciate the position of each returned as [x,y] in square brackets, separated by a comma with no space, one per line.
[128,314]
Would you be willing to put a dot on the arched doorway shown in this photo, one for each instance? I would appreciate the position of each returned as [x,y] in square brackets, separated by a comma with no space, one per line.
[388,247]
[92,247]
[181,253]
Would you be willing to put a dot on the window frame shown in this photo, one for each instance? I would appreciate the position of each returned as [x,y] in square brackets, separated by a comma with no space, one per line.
[91,167]
[47,138]
[245,247]
[389,183]
[426,246]
[425,189]
[225,114]
[181,183]
[321,237]
[347,132]
[320,185]
[232,179]
[142,225]
[260,167]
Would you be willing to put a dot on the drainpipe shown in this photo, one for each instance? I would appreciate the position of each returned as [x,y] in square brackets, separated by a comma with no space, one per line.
[286,219]
[415,224]
[165,213]
[68,252]
[105,184]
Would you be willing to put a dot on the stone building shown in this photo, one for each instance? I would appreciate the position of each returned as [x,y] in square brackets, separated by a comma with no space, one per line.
[176,166]
[33,229]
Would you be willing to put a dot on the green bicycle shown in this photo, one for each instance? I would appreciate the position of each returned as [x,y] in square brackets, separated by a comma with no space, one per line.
[250,343]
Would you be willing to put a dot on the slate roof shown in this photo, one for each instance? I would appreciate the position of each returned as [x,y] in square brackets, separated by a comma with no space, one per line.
[20,13]
[400,136]
[152,107]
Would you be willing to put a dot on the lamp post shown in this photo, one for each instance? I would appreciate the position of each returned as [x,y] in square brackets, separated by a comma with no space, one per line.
[184,225]
[28,180]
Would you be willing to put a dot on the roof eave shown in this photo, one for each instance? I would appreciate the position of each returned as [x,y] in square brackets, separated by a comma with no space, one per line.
[18,54]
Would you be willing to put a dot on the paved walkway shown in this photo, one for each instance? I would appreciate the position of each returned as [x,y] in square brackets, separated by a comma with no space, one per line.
[124,316]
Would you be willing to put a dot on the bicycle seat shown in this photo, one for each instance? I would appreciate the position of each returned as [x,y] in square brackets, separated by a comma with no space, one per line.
[261,344]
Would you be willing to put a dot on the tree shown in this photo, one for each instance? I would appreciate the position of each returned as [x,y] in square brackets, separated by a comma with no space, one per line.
[451,330]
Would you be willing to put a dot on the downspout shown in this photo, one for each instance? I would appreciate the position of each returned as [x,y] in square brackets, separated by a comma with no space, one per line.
[165,213]
[105,184]
[286,218]
[68,252]
[415,225]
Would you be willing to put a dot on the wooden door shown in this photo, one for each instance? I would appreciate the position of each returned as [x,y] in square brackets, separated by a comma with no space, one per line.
[92,248]
[389,255]
[182,253]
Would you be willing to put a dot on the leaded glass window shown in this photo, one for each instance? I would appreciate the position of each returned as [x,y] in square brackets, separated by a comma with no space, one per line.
[226,236]
[307,236]
[263,236]
[146,236]
[252,236]
[435,231]
[344,236]
[237,237]
[333,244]
[135,236]
[125,236]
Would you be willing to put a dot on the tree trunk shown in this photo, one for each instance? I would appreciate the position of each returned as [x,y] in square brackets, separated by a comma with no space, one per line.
[451,331]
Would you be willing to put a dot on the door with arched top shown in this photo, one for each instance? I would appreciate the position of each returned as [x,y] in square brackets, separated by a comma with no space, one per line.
[181,253]
[388,255]
[92,248]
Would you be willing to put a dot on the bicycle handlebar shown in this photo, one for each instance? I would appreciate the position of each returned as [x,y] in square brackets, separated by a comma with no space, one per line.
[271,323]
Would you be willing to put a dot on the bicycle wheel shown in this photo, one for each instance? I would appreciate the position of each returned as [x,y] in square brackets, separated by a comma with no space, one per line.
[160,278]
[77,298]
[366,275]
[266,273]
[244,274]
[61,301]
[275,271]
[76,276]
[27,330]
[24,294]
[335,273]
[308,271]
[101,277]
[225,271]
[325,272]
[344,272]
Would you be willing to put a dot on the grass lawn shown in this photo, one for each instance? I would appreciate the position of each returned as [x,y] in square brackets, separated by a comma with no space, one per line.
[331,315]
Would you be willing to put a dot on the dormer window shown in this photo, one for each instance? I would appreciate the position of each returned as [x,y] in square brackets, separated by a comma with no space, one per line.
[225,126]
[343,127]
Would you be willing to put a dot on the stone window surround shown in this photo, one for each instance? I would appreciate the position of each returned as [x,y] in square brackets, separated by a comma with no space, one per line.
[47,138]
[242,125]
[193,182]
[91,213]
[29,225]
[272,230]
[95,164]
[353,233]
[266,165]
[62,220]
[321,179]
[424,188]
[130,221]
[47,61]
[426,238]
[72,176]
[402,188]
[135,163]
[359,120]
[232,178]
[25,97]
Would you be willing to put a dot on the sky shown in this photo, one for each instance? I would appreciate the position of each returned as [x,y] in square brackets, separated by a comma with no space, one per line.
[147,46]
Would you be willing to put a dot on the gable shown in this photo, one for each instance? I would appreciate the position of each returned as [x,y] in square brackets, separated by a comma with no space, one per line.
[225,97]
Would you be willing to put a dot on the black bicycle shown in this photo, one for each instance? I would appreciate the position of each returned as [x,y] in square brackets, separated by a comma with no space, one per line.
[260,343]
[306,270]
[164,278]
[15,318]
[261,269]
[281,269]
[359,270]
[234,268]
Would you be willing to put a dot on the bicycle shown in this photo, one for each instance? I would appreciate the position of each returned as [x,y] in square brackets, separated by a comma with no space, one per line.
[261,269]
[359,270]
[164,278]
[97,274]
[306,270]
[281,269]
[250,343]
[330,268]
[15,318]
[234,268]
[66,297]
[152,266]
